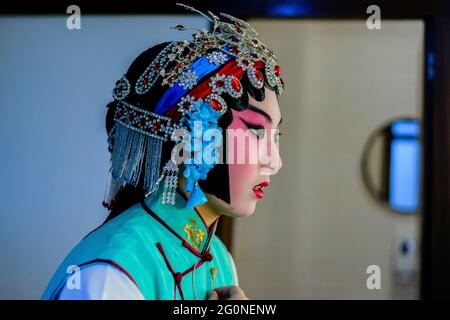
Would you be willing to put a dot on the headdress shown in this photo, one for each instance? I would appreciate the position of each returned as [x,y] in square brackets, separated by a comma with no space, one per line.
[232,53]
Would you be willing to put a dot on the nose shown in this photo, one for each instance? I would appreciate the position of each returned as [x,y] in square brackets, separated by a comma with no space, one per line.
[274,163]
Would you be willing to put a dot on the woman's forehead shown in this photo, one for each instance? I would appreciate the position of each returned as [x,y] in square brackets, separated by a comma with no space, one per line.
[269,105]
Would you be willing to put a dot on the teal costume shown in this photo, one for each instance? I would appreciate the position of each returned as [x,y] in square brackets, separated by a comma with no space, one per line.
[166,250]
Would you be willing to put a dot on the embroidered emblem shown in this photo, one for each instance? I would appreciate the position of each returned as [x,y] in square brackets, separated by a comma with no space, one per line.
[194,234]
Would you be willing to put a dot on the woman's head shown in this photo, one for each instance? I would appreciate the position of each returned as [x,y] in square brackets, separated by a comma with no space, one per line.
[227,80]
[252,156]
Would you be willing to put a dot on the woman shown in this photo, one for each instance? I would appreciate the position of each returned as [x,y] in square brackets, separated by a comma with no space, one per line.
[178,113]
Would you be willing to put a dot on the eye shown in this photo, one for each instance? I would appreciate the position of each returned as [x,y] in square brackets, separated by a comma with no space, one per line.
[276,137]
[256,129]
[259,133]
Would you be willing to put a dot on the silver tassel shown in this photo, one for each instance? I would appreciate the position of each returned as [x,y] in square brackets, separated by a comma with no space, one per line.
[111,190]
[133,152]
[170,171]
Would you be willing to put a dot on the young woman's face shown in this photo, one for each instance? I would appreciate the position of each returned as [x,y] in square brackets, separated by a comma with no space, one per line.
[252,155]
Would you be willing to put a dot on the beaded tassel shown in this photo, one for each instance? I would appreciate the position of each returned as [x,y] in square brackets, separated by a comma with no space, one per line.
[133,152]
[112,188]
[170,171]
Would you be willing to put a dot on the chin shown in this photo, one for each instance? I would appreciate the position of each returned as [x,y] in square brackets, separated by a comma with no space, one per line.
[240,208]
[244,209]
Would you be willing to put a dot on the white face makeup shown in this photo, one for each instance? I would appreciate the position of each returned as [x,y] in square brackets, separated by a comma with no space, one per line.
[248,179]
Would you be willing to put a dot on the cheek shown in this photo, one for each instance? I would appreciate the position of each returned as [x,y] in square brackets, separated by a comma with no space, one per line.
[242,176]
[241,172]
[242,197]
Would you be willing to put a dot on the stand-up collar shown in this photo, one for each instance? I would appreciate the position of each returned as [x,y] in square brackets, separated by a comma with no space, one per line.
[186,223]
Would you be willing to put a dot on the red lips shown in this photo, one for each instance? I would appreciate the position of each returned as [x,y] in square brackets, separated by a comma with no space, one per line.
[259,189]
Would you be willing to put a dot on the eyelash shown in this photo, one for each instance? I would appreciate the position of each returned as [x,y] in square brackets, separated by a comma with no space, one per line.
[277,136]
[258,130]
[255,129]
[259,133]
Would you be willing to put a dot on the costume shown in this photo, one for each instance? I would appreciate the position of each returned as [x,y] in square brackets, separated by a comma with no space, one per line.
[160,248]
[149,247]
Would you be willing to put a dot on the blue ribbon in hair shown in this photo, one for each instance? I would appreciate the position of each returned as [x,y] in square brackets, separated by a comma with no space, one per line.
[201,67]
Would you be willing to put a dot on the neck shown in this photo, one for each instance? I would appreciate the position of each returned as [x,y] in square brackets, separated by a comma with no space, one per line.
[205,210]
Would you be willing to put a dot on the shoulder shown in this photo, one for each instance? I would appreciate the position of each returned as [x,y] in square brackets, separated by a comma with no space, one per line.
[100,281]
[129,229]
[121,241]
[130,219]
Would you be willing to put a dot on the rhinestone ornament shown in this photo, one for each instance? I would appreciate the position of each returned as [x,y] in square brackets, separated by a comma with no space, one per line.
[122,89]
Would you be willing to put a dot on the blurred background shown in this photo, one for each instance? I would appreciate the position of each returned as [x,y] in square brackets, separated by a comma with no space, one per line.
[319,228]
[349,195]
[55,84]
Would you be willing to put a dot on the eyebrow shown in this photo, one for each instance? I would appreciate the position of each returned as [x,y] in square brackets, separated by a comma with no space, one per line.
[266,115]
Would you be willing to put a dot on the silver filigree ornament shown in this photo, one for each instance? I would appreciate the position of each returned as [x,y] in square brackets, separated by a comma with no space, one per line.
[170,171]
[256,77]
[233,38]
[186,104]
[143,121]
[158,67]
[217,83]
[270,72]
[217,57]
[244,62]
[233,87]
[188,79]
[122,89]
[217,102]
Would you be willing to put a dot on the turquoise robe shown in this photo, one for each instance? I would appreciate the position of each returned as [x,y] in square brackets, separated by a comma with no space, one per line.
[166,250]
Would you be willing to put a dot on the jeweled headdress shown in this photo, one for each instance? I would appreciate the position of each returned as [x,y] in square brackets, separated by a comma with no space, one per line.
[232,53]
